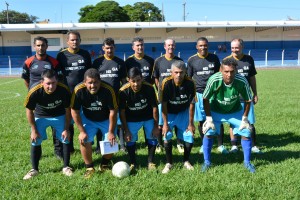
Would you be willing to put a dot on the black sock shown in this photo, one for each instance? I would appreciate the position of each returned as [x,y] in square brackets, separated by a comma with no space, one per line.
[159,138]
[36,153]
[71,129]
[151,153]
[168,148]
[131,153]
[253,135]
[89,165]
[57,144]
[99,138]
[66,154]
[221,137]
[187,151]
[104,161]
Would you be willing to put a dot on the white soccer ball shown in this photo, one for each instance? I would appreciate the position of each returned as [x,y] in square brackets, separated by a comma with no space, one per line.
[121,169]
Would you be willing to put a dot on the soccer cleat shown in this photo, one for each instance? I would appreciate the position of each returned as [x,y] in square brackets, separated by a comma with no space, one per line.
[222,149]
[188,165]
[151,166]
[103,168]
[89,172]
[68,171]
[167,168]
[250,167]
[201,149]
[31,174]
[255,149]
[234,149]
[205,167]
[180,148]
[158,149]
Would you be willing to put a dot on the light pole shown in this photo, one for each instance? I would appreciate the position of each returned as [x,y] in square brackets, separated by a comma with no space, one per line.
[7,12]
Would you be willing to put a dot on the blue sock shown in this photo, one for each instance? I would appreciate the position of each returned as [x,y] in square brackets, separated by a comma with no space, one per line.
[207,146]
[246,145]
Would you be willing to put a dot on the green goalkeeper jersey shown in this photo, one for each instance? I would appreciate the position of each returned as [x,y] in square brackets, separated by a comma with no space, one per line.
[226,98]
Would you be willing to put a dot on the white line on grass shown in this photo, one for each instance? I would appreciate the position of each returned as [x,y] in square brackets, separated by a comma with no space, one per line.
[15,95]
[8,82]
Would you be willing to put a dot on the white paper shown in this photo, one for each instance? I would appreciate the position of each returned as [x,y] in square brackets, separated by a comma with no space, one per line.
[106,147]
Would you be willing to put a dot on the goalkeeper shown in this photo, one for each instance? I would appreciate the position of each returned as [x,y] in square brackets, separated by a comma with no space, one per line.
[221,100]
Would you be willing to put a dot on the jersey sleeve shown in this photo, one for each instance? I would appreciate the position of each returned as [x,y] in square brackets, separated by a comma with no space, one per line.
[123,72]
[112,100]
[189,69]
[76,101]
[217,65]
[153,97]
[30,101]
[122,100]
[155,73]
[246,92]
[252,70]
[25,72]
[67,99]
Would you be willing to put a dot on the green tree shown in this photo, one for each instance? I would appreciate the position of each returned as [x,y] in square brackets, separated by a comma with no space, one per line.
[143,11]
[16,17]
[104,11]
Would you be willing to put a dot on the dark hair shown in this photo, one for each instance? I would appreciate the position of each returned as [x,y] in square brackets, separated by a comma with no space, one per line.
[74,33]
[41,39]
[109,41]
[202,39]
[49,73]
[92,73]
[137,39]
[134,72]
[229,62]
[238,40]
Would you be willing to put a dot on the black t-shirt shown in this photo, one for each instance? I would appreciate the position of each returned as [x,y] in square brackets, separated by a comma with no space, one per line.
[112,71]
[48,105]
[74,65]
[178,98]
[145,64]
[201,68]
[95,107]
[138,105]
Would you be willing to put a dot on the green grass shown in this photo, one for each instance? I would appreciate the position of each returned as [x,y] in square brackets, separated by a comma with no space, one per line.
[277,176]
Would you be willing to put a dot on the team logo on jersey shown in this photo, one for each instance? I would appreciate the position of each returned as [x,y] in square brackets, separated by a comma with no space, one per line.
[146,68]
[246,67]
[80,61]
[211,65]
[137,104]
[177,98]
[34,66]
[114,69]
[143,100]
[183,96]
[58,102]
[47,66]
[74,64]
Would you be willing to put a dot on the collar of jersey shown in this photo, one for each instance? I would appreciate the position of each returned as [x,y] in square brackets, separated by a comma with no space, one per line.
[140,57]
[42,58]
[71,51]
[169,58]
[202,56]
[238,58]
[107,58]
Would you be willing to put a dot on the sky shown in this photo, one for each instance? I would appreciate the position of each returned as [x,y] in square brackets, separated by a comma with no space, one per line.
[66,11]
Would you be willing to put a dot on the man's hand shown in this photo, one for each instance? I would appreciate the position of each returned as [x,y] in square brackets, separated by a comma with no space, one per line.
[208,124]
[65,135]
[191,128]
[165,129]
[128,135]
[244,123]
[155,132]
[82,138]
[255,99]
[111,137]
[34,135]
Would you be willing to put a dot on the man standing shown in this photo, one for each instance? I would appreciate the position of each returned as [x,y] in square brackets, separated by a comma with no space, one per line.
[138,108]
[178,92]
[98,103]
[74,62]
[200,67]
[50,102]
[246,68]
[162,69]
[221,100]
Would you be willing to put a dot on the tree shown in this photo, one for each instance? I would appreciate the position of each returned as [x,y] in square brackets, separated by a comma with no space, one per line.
[16,17]
[104,11]
[143,11]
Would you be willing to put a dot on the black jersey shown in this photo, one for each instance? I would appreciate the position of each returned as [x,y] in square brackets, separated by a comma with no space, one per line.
[48,105]
[74,65]
[246,66]
[201,68]
[178,98]
[95,107]
[33,68]
[138,105]
[145,64]
[112,71]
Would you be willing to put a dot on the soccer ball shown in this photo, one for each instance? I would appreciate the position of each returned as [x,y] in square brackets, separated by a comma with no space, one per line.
[121,169]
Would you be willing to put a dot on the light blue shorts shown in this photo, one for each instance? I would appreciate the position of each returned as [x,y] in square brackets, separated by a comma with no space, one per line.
[134,128]
[57,123]
[160,119]
[234,119]
[251,115]
[199,109]
[92,127]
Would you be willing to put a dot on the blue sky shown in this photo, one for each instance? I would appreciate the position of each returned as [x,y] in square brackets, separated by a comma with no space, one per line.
[196,10]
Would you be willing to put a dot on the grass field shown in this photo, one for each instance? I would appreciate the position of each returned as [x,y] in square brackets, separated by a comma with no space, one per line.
[277,175]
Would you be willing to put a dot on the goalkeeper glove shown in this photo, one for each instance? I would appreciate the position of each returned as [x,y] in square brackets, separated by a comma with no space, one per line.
[244,123]
[208,124]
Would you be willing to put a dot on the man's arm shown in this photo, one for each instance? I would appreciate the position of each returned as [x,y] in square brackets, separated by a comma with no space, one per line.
[128,134]
[247,108]
[156,83]
[65,133]
[191,126]
[112,125]
[252,82]
[155,131]
[34,132]
[208,124]
[77,119]
[206,107]
[165,128]
[26,82]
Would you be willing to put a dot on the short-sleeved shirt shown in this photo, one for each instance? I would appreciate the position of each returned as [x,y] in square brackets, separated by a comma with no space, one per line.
[226,98]
[138,105]
[95,107]
[178,97]
[112,71]
[201,68]
[74,65]
[48,105]
[33,68]
[246,66]
[145,64]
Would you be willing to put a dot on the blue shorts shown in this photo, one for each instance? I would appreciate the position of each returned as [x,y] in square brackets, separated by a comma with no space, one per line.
[134,128]
[199,109]
[57,123]
[251,115]
[234,119]
[92,127]
[180,120]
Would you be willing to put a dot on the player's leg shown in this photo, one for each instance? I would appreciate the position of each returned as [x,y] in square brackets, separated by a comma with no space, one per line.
[151,142]
[180,146]
[159,147]
[221,148]
[168,148]
[71,141]
[57,145]
[98,139]
[134,128]
[199,116]
[233,141]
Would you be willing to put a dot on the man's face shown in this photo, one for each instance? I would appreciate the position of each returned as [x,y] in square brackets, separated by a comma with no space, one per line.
[202,47]
[169,46]
[136,83]
[236,48]
[40,47]
[228,73]
[49,84]
[138,47]
[178,75]
[92,84]
[73,42]
[109,50]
